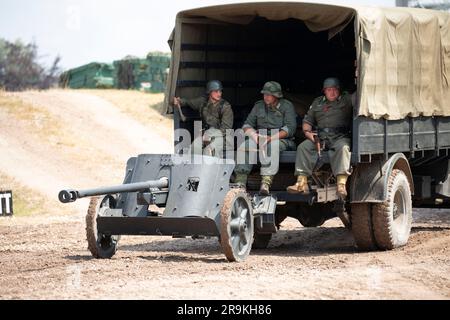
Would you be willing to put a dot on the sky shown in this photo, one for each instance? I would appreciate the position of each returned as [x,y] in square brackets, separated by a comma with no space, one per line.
[83,31]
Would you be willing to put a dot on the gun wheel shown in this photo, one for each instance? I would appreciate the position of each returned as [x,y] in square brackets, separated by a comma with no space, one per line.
[236,234]
[100,245]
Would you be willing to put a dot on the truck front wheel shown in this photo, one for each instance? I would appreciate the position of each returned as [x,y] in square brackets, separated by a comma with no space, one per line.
[392,219]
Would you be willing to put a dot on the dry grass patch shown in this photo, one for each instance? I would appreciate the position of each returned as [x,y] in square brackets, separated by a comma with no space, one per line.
[146,108]
[37,120]
[26,201]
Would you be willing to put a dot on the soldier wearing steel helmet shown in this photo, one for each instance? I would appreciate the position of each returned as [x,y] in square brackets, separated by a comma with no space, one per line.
[332,115]
[217,117]
[271,123]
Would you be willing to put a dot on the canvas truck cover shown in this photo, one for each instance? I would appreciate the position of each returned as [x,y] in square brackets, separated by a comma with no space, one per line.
[403,53]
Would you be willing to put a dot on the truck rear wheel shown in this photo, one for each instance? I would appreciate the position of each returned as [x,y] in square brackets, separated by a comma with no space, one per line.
[392,219]
[101,246]
[362,226]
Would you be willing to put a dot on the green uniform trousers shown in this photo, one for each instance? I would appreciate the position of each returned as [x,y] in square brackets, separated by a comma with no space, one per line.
[270,163]
[339,153]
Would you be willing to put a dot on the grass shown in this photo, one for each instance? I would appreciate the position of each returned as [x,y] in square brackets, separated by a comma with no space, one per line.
[26,201]
[44,125]
[20,109]
[146,108]
[131,100]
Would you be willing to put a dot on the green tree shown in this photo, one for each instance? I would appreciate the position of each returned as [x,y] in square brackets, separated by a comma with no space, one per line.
[20,68]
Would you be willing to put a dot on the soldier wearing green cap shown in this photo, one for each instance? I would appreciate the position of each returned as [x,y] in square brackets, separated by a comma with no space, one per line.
[217,117]
[332,115]
[270,126]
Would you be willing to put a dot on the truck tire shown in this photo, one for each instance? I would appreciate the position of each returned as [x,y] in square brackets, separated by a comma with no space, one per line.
[392,219]
[362,228]
[261,240]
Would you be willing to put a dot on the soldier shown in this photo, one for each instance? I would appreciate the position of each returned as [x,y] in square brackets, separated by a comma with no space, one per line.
[332,114]
[277,116]
[217,117]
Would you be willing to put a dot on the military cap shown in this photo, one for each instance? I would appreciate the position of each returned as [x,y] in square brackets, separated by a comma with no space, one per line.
[273,88]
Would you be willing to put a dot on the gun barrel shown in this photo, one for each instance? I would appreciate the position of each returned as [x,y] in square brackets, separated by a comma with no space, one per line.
[67,196]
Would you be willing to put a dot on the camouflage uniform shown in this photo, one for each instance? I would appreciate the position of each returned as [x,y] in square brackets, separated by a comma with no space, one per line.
[216,118]
[282,118]
[333,120]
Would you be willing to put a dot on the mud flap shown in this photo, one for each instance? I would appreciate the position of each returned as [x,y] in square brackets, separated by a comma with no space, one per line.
[264,212]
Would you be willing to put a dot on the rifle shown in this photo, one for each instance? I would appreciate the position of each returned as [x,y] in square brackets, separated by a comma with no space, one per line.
[319,162]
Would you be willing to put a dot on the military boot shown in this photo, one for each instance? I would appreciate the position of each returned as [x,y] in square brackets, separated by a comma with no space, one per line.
[241,179]
[266,182]
[300,187]
[342,187]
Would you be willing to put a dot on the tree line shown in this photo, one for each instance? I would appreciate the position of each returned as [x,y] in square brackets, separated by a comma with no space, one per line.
[20,68]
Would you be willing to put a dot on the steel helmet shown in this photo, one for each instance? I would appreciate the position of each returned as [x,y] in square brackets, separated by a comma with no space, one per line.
[214,85]
[332,83]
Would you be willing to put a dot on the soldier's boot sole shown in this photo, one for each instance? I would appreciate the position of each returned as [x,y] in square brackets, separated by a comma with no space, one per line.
[298,189]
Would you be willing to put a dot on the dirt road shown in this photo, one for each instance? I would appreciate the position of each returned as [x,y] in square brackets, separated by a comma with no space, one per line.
[45,256]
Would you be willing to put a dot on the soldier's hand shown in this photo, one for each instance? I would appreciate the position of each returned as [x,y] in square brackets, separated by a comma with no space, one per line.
[255,137]
[265,140]
[311,136]
[206,138]
[176,101]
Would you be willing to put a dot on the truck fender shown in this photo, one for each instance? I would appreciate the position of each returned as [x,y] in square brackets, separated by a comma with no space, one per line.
[369,180]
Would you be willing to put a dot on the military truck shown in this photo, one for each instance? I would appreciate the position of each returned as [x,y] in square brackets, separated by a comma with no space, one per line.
[395,60]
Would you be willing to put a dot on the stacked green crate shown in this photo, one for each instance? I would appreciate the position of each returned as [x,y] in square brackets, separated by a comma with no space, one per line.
[147,75]
[105,76]
[159,64]
[142,75]
[92,75]
[131,73]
